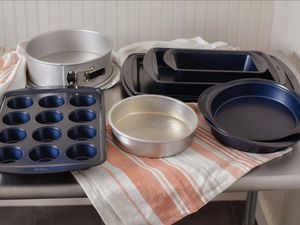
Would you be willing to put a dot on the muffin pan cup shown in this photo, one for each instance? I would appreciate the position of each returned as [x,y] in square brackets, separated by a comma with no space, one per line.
[42,144]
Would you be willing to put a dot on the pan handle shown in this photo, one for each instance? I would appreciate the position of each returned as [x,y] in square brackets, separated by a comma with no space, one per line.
[127,73]
[202,103]
[290,75]
[275,68]
[169,59]
[150,64]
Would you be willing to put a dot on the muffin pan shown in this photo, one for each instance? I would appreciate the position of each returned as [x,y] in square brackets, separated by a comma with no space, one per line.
[51,130]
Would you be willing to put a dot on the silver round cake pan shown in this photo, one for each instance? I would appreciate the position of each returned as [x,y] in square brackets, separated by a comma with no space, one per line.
[153,125]
[69,57]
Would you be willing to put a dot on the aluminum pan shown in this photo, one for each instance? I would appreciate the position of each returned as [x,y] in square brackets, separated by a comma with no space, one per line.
[177,123]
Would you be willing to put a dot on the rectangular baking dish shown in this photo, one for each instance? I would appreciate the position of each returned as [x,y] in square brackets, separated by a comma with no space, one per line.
[137,81]
[160,63]
[216,65]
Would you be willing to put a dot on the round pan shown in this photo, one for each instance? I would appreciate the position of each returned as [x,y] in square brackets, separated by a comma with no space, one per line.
[69,57]
[153,125]
[249,145]
[252,109]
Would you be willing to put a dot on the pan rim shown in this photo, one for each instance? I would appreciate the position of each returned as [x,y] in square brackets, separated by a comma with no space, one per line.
[69,30]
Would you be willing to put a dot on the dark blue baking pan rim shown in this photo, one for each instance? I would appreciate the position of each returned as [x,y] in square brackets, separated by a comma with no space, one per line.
[250,146]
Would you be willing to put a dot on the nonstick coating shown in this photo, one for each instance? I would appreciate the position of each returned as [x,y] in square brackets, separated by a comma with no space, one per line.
[249,145]
[136,81]
[252,109]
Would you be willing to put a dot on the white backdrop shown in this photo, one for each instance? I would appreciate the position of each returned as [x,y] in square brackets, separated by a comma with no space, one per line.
[246,24]
[282,207]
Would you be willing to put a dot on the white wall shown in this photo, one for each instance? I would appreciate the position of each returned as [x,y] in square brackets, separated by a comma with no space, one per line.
[241,23]
[286,29]
[282,207]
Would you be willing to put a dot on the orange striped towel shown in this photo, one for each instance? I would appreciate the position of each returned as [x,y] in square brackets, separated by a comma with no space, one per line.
[13,69]
[127,189]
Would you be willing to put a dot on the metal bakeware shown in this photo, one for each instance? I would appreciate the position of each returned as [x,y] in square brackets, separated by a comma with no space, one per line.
[69,57]
[153,125]
[252,109]
[131,91]
[51,130]
[156,66]
[138,81]
[245,145]
[199,65]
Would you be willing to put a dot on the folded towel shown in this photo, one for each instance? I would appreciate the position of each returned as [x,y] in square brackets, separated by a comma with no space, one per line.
[13,69]
[194,43]
[127,189]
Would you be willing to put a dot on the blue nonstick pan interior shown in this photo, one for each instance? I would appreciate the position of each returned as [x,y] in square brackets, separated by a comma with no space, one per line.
[254,109]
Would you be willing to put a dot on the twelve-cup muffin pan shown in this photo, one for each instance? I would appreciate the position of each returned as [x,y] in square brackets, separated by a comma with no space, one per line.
[53,130]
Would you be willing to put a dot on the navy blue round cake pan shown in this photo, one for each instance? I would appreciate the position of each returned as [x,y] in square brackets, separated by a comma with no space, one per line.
[252,109]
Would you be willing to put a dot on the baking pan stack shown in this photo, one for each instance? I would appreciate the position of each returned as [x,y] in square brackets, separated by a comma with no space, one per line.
[248,98]
[185,73]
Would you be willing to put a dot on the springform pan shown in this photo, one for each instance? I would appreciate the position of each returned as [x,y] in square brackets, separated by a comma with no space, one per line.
[69,57]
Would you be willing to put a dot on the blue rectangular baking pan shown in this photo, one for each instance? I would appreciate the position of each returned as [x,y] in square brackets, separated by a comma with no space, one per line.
[51,130]
[156,66]
[216,65]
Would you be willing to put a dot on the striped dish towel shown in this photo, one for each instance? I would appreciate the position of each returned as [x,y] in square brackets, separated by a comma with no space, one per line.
[127,189]
[13,69]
